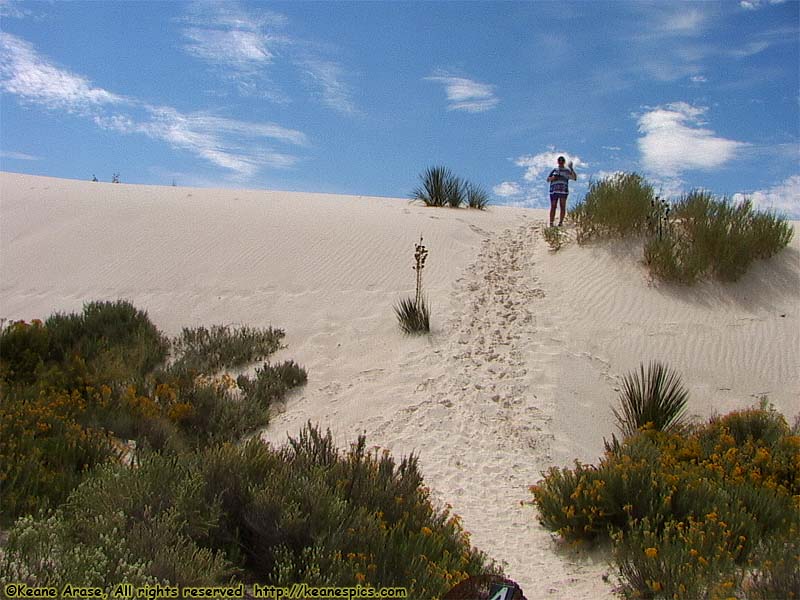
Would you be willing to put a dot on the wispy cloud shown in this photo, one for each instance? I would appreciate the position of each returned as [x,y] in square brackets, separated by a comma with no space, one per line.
[674,141]
[17,155]
[328,78]
[233,145]
[243,45]
[783,198]
[34,79]
[238,44]
[466,94]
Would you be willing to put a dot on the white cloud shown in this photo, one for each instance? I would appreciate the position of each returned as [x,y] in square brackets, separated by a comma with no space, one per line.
[674,141]
[783,198]
[34,79]
[537,165]
[466,94]
[230,144]
[507,189]
[698,79]
[756,4]
[532,190]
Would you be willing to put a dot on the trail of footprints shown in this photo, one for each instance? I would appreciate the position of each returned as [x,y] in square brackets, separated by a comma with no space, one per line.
[495,393]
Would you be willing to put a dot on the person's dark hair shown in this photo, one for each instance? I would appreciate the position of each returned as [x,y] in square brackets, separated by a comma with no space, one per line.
[561,159]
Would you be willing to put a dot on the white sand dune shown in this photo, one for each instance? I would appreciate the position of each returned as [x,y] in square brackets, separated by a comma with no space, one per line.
[520,372]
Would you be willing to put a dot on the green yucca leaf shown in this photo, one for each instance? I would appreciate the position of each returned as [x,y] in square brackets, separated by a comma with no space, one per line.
[655,395]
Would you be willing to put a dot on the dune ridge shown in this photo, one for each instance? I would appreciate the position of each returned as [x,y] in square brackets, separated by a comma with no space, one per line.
[523,364]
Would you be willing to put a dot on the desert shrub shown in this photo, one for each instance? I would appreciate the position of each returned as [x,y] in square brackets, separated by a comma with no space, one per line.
[203,350]
[271,383]
[303,513]
[476,196]
[616,206]
[44,450]
[670,258]
[23,348]
[700,235]
[676,560]
[711,236]
[112,333]
[695,511]
[73,387]
[122,525]
[555,237]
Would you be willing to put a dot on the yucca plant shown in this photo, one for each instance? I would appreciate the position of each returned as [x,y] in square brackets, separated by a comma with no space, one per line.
[477,197]
[439,188]
[414,314]
[653,397]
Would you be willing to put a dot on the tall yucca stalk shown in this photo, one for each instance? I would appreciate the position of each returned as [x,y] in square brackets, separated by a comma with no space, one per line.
[654,396]
[414,315]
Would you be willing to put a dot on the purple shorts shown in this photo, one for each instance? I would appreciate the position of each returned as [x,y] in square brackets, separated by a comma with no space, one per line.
[556,197]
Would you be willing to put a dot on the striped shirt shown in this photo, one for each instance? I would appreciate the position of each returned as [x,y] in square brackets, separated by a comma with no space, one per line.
[561,183]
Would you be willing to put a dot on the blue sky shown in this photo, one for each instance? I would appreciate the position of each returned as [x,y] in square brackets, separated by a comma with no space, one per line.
[360,98]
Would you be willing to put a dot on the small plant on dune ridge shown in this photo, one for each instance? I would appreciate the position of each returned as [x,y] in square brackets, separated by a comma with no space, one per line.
[414,314]
[477,197]
[440,187]
[555,237]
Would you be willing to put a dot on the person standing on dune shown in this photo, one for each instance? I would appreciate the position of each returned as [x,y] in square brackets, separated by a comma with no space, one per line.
[559,188]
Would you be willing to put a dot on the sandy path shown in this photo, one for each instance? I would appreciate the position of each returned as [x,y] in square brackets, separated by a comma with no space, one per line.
[479,411]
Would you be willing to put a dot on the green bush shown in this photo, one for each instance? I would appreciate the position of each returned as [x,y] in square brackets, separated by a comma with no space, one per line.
[698,236]
[304,513]
[714,237]
[616,206]
[74,387]
[699,511]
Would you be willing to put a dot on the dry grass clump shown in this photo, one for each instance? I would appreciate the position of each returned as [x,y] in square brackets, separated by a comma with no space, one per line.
[702,511]
[555,237]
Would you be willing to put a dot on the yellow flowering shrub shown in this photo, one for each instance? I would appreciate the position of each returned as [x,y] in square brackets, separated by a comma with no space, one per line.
[699,507]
